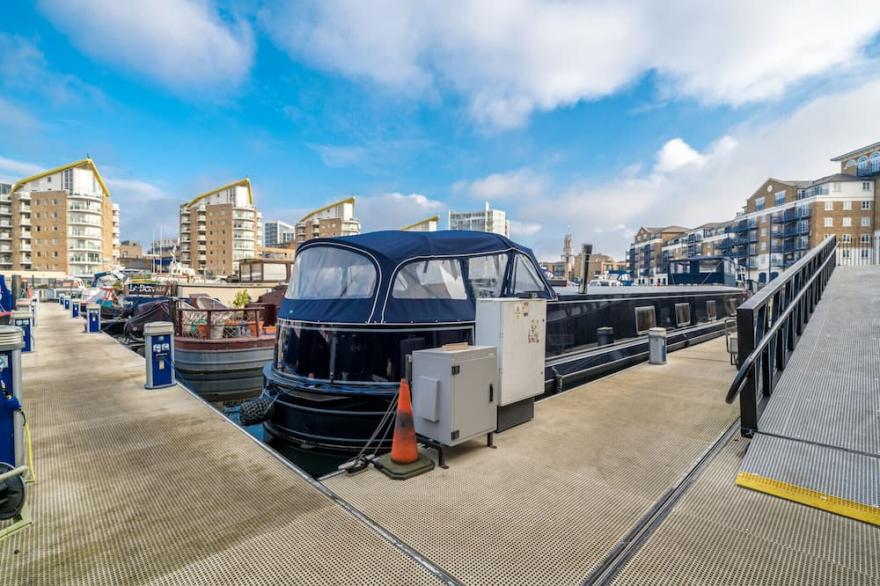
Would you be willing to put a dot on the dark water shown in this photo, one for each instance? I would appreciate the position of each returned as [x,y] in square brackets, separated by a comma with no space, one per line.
[312,461]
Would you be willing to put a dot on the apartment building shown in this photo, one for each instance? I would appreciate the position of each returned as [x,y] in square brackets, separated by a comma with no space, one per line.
[485,220]
[646,258]
[780,222]
[130,249]
[783,220]
[277,233]
[219,228]
[59,220]
[426,225]
[335,219]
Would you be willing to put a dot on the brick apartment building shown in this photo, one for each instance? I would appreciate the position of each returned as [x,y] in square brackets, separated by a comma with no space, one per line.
[780,222]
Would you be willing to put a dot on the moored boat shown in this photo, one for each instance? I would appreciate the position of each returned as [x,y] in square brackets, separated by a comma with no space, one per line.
[357,306]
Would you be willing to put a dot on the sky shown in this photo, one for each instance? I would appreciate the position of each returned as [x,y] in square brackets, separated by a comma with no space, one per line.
[593,118]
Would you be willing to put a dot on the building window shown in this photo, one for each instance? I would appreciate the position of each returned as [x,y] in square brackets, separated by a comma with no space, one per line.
[847,238]
[759,204]
[862,166]
[866,186]
[866,204]
[829,222]
[847,222]
[866,221]
[780,197]
[763,246]
[829,206]
[847,205]
[835,186]
[865,239]
[875,163]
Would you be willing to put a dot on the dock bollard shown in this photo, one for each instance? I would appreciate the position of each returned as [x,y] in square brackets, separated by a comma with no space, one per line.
[93,322]
[74,308]
[159,354]
[21,318]
[67,302]
[657,346]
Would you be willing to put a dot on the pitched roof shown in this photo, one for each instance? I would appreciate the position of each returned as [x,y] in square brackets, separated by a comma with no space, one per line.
[81,163]
[875,146]
[241,182]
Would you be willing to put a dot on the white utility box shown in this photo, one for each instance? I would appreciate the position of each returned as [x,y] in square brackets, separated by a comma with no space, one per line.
[517,328]
[454,393]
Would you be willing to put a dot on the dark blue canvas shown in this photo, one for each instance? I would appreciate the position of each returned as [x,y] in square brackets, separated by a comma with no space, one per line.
[390,250]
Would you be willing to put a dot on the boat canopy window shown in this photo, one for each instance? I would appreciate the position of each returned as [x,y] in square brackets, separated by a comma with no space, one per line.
[525,279]
[330,272]
[430,279]
[486,274]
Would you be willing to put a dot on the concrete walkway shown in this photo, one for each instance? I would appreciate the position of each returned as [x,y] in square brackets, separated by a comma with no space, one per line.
[155,487]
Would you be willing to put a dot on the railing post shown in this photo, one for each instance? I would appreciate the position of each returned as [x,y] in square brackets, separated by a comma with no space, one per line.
[745,325]
[208,321]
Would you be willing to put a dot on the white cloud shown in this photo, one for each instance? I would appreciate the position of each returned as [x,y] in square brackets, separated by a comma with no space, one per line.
[519,229]
[18,169]
[690,187]
[509,58]
[183,44]
[513,184]
[393,211]
[146,210]
[676,154]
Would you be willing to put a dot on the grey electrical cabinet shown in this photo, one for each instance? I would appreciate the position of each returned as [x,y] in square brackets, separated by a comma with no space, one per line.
[454,393]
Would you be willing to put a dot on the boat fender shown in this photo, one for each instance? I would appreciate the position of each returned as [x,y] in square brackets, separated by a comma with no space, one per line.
[255,411]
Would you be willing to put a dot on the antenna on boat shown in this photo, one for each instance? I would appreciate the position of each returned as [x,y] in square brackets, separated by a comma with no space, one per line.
[586,253]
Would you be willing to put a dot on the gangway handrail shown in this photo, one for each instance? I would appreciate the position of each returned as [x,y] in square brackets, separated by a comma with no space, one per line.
[778,315]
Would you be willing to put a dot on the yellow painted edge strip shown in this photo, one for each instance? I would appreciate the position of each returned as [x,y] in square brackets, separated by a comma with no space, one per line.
[811,498]
[246,182]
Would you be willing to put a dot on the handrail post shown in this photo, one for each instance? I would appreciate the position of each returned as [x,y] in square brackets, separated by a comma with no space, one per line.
[208,321]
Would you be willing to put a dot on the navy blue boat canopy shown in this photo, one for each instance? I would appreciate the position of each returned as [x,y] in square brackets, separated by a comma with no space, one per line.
[399,277]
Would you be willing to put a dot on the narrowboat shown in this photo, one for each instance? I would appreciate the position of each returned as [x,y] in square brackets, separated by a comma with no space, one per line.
[356,307]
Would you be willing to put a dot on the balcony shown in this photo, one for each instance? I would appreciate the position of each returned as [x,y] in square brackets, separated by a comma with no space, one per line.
[745,225]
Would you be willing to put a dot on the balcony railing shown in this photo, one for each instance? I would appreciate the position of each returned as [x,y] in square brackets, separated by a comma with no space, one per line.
[224,324]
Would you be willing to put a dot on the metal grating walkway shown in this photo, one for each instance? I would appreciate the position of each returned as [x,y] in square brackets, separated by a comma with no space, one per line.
[819,439]
[155,487]
[560,492]
[719,533]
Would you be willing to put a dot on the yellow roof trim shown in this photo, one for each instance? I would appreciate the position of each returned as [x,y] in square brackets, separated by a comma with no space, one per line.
[82,162]
[246,182]
[425,221]
[326,207]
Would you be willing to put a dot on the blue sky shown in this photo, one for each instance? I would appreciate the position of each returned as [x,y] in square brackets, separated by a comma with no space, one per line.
[589,117]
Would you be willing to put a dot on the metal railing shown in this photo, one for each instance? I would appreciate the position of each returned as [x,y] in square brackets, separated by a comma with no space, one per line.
[223,323]
[769,326]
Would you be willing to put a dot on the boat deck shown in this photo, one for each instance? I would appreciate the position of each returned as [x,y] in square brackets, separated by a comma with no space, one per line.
[156,487]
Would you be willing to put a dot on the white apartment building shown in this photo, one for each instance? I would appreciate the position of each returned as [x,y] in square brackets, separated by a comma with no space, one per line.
[277,233]
[486,220]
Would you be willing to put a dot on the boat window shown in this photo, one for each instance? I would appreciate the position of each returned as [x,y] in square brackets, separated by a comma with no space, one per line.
[328,272]
[730,304]
[486,274]
[682,314]
[525,279]
[645,319]
[430,279]
[711,311]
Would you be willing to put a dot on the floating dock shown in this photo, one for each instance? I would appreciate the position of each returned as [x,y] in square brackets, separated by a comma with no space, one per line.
[629,479]
[156,487]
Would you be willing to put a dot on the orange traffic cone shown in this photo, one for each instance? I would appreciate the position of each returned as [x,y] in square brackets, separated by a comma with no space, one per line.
[404,461]
[403,444]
